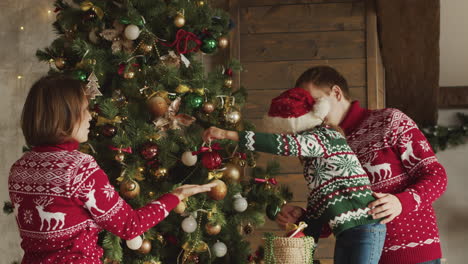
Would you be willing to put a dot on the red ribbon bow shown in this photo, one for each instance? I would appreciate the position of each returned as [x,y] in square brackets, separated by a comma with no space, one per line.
[271,180]
[127,149]
[215,146]
[182,39]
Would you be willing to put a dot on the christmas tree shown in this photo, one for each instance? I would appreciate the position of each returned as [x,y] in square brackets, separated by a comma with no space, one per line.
[152,99]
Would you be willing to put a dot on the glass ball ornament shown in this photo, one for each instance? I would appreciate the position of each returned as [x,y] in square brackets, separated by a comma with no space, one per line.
[134,243]
[189,224]
[209,45]
[132,32]
[219,249]
[240,203]
[194,100]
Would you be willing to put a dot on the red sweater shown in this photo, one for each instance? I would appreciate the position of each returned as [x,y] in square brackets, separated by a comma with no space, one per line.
[62,200]
[399,160]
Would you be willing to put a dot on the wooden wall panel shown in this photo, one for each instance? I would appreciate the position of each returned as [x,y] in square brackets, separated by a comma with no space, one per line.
[303,46]
[246,3]
[283,74]
[302,18]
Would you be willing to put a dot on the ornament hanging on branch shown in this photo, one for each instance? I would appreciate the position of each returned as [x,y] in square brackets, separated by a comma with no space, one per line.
[219,191]
[212,229]
[149,150]
[128,72]
[120,156]
[189,224]
[146,48]
[134,243]
[223,42]
[92,87]
[119,41]
[180,208]
[228,82]
[219,249]
[232,172]
[211,159]
[179,19]
[158,104]
[145,247]
[209,45]
[89,6]
[171,59]
[60,63]
[189,159]
[108,130]
[129,189]
[171,119]
[240,203]
[132,32]
[208,107]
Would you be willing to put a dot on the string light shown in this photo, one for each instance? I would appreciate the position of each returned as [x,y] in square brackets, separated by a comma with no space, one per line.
[21,28]
[19,77]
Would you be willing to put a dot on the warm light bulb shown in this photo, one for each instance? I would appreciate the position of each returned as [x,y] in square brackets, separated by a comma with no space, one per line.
[49,11]
[21,28]
[19,77]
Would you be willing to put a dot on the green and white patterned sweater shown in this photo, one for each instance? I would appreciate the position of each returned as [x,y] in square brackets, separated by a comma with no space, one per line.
[339,188]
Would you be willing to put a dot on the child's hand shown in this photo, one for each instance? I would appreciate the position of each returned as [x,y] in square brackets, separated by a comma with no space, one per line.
[289,214]
[188,190]
[213,133]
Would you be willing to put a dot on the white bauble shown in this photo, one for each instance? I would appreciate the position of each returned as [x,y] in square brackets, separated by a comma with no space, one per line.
[189,225]
[240,203]
[132,32]
[219,249]
[134,243]
[188,159]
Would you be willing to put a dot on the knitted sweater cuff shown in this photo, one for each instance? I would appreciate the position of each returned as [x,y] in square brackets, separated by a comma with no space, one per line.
[408,204]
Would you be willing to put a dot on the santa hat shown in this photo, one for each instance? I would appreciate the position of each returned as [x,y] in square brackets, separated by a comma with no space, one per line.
[294,111]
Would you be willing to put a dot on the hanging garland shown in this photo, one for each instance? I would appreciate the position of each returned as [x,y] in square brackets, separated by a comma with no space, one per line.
[442,137]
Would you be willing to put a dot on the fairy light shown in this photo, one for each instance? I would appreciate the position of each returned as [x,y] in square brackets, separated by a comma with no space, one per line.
[19,77]
[21,28]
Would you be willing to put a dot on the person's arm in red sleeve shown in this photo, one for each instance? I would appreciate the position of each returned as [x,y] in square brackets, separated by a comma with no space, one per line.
[428,176]
[112,213]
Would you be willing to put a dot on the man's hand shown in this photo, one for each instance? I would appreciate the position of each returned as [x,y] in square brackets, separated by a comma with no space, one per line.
[386,206]
[289,214]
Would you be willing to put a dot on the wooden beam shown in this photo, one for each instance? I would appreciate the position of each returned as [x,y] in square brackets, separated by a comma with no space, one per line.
[234,11]
[375,71]
[453,97]
[409,34]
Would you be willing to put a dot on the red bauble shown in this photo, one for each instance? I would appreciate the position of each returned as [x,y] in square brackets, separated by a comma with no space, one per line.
[149,150]
[108,130]
[211,159]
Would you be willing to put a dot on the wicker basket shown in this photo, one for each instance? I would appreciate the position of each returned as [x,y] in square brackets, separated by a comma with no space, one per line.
[285,250]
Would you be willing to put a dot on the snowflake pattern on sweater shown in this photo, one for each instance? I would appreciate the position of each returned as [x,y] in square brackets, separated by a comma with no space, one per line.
[339,189]
[62,200]
[400,161]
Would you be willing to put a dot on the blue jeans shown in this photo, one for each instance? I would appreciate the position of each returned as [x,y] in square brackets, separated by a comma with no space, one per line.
[435,261]
[360,245]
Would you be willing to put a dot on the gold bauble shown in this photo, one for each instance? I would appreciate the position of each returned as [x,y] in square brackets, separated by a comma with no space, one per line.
[180,208]
[228,82]
[129,189]
[60,63]
[208,107]
[219,191]
[232,172]
[179,20]
[212,229]
[120,157]
[160,172]
[145,247]
[146,48]
[129,75]
[151,194]
[233,116]
[158,106]
[223,42]
[141,169]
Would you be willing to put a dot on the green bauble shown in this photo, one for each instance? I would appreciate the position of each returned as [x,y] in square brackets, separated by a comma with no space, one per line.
[209,45]
[194,100]
[80,75]
[272,211]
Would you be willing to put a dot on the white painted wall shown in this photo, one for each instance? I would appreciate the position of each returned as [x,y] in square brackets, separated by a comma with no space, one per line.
[452,207]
